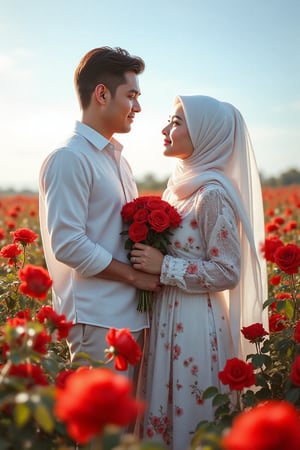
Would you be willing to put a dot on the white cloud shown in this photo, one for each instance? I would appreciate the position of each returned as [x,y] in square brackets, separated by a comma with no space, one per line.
[288,107]
[15,64]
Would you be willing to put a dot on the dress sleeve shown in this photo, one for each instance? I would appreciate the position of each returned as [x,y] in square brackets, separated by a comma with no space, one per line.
[219,268]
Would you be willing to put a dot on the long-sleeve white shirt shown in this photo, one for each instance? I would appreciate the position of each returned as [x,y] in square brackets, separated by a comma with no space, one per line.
[83,187]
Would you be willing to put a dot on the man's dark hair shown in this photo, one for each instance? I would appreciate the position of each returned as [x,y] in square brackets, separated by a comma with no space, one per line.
[104,65]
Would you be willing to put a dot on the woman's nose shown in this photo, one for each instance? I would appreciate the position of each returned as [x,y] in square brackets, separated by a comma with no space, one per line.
[165,130]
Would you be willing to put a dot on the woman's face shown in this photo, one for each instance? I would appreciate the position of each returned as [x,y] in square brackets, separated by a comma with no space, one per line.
[177,140]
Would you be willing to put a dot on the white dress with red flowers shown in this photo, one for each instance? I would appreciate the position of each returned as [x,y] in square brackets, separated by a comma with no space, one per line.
[190,337]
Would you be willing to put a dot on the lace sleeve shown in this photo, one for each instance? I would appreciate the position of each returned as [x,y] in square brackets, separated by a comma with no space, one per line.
[219,269]
[173,271]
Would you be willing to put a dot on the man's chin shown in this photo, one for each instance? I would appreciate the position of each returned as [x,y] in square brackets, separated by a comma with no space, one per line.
[124,130]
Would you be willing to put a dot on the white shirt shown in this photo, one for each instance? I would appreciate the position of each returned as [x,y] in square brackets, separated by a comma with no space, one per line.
[83,187]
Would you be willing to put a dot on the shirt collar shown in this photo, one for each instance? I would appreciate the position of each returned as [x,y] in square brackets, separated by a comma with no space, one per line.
[95,138]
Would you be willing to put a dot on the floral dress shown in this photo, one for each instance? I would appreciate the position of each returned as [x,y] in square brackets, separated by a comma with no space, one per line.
[190,338]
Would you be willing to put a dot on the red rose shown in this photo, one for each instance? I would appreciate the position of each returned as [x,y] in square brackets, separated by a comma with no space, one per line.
[283,295]
[141,215]
[291,225]
[175,219]
[254,333]
[62,377]
[275,280]
[54,321]
[297,332]
[238,374]
[40,342]
[48,314]
[24,314]
[11,252]
[128,211]
[277,322]
[288,212]
[17,321]
[279,220]
[14,213]
[124,347]
[14,339]
[287,258]
[35,281]
[295,373]
[138,231]
[271,227]
[148,221]
[155,202]
[144,199]
[92,399]
[274,425]
[10,224]
[159,220]
[24,236]
[30,374]
[270,246]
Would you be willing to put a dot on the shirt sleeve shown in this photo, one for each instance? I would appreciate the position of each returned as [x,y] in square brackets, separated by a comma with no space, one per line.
[66,200]
[219,269]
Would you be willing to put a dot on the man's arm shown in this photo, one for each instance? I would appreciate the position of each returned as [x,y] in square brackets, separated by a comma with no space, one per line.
[119,271]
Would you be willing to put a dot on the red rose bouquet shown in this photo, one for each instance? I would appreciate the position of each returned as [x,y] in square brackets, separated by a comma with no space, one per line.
[150,221]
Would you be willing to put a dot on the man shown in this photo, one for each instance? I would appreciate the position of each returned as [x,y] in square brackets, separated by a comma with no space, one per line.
[83,186]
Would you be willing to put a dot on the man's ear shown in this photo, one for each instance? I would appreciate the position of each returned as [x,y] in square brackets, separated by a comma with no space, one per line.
[101,93]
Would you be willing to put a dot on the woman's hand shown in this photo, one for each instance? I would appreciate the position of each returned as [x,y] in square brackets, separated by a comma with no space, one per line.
[147,259]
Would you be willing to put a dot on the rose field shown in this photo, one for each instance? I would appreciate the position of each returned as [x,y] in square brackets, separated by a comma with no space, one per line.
[47,402]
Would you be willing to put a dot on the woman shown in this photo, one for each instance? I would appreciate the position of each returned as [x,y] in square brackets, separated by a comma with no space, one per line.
[214,279]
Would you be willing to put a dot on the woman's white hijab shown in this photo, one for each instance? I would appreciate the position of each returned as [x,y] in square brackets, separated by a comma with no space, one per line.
[223,153]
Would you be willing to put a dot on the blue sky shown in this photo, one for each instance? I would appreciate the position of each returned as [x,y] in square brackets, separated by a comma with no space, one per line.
[245,52]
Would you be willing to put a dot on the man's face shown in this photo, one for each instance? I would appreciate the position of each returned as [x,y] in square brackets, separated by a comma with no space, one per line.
[120,110]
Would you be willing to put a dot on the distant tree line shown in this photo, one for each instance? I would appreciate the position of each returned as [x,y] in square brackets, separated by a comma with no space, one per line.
[292,176]
[150,183]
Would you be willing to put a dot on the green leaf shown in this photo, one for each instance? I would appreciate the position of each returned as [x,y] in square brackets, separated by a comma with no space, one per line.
[16,358]
[4,444]
[269,302]
[44,418]
[289,309]
[285,347]
[220,399]
[249,399]
[259,360]
[109,439]
[151,446]
[223,410]
[262,380]
[210,392]
[263,394]
[292,395]
[22,414]
[266,347]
